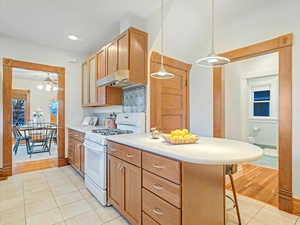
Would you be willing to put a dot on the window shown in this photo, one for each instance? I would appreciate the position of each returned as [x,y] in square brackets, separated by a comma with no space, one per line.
[261,103]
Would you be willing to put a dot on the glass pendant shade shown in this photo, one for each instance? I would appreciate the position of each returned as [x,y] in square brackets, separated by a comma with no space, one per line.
[162,73]
[212,61]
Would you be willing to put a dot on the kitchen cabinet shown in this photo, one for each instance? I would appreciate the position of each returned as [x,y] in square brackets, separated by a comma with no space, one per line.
[106,95]
[123,52]
[127,54]
[76,150]
[92,80]
[112,57]
[130,54]
[116,182]
[85,84]
[171,192]
[124,189]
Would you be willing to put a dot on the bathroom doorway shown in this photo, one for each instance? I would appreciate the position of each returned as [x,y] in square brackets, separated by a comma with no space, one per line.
[283,46]
[251,115]
[251,104]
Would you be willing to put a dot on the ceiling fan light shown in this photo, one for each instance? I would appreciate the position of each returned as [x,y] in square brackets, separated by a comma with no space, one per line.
[212,61]
[163,75]
[48,87]
[40,87]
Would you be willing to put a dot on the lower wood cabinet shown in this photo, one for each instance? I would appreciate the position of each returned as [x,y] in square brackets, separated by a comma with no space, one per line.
[150,189]
[76,150]
[124,190]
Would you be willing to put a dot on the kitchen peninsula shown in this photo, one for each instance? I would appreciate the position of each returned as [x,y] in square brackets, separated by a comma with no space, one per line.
[152,182]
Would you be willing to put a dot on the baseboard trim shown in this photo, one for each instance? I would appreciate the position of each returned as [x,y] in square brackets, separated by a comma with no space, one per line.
[3,174]
[296,206]
[63,162]
[286,200]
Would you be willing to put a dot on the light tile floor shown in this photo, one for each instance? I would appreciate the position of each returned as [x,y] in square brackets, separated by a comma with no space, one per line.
[57,196]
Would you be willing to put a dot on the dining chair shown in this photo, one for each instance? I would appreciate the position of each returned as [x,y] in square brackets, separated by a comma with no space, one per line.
[39,136]
[19,138]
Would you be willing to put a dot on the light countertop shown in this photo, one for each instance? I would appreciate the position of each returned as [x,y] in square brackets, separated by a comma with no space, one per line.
[83,129]
[215,151]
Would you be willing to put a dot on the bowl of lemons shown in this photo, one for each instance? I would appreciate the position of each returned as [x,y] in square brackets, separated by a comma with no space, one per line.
[183,136]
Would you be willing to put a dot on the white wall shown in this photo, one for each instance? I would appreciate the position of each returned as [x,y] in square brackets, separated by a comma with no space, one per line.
[238,76]
[27,51]
[39,99]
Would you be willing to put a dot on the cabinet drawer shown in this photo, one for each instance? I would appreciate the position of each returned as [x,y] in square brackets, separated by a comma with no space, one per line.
[161,211]
[164,167]
[163,188]
[76,135]
[147,220]
[125,153]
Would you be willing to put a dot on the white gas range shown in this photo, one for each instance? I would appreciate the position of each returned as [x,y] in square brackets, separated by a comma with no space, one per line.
[96,151]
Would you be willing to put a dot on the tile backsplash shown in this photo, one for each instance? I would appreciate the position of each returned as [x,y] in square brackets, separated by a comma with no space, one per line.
[134,99]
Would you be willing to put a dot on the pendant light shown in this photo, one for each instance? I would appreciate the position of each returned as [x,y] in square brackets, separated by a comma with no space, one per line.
[162,73]
[212,60]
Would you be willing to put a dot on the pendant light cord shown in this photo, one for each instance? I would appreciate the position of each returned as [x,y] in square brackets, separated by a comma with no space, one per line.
[162,34]
[212,27]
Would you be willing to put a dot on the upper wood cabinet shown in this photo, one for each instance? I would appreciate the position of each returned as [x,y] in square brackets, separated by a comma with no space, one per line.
[94,69]
[128,52]
[93,79]
[112,57]
[85,84]
[123,52]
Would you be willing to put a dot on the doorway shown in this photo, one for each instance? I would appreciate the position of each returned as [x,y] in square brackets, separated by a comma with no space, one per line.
[251,115]
[283,47]
[34,126]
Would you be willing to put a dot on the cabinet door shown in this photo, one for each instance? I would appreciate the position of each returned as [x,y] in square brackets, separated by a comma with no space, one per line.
[92,80]
[112,57]
[77,155]
[85,84]
[123,52]
[82,158]
[116,182]
[133,193]
[101,72]
[71,150]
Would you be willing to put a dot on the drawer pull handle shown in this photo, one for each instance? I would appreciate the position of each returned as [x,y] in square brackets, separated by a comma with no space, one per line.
[158,166]
[157,187]
[129,156]
[157,212]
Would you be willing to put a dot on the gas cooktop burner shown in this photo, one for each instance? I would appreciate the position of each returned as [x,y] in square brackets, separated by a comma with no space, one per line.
[111,131]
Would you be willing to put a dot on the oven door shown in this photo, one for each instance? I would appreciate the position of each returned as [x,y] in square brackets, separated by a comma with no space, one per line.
[95,163]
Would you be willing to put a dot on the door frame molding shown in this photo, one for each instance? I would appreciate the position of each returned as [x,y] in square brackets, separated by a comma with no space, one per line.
[283,45]
[8,65]
[155,58]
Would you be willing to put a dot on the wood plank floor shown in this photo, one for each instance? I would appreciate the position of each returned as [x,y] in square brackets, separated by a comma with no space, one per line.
[24,167]
[257,182]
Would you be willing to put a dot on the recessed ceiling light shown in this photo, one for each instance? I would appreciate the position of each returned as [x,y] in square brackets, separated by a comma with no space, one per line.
[73,37]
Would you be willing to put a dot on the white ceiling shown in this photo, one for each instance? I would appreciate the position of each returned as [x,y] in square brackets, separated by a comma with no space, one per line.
[49,22]
[32,74]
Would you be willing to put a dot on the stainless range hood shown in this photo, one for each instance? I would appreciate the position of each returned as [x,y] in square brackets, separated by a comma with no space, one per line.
[119,78]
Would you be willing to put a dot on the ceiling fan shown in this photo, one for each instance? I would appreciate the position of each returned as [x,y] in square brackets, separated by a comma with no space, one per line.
[51,84]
